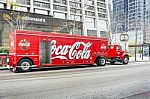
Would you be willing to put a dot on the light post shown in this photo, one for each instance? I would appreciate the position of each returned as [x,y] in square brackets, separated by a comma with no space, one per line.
[136,29]
[124,38]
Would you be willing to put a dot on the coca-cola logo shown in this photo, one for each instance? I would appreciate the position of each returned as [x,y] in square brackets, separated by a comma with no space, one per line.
[24,44]
[73,51]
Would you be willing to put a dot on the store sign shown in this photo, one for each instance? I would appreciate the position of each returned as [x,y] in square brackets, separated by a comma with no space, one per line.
[28,18]
[124,37]
[37,19]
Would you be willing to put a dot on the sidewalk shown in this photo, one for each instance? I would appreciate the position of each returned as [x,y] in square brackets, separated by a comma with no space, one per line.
[3,68]
[138,59]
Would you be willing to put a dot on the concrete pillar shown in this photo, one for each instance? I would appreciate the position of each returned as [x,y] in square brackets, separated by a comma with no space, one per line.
[51,7]
[68,10]
[96,19]
[83,18]
[31,6]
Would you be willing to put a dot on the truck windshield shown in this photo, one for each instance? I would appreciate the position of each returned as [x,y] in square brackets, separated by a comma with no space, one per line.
[118,47]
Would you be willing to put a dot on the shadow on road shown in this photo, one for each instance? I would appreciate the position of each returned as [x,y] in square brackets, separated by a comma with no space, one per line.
[69,67]
[61,68]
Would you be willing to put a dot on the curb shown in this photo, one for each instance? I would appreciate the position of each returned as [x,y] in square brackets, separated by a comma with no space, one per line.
[3,68]
[139,61]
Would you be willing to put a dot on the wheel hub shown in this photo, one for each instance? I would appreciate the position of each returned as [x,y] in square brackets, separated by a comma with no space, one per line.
[25,65]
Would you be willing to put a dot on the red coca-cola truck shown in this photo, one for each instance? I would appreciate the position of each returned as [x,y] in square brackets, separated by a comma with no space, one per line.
[28,49]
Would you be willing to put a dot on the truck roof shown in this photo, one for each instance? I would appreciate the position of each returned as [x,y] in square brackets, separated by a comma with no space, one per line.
[56,34]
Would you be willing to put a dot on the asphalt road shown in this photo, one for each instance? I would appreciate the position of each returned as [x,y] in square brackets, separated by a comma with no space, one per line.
[130,81]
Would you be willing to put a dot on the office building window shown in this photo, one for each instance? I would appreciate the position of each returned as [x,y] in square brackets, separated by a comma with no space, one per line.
[27,2]
[77,11]
[41,11]
[101,10]
[101,0]
[76,18]
[104,34]
[60,15]
[46,0]
[90,22]
[76,0]
[101,5]
[41,4]
[101,15]
[89,13]
[91,32]
[60,1]
[75,5]
[89,2]
[1,5]
[61,8]
[90,8]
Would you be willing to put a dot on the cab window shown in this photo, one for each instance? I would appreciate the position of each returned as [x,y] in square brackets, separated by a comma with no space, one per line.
[118,47]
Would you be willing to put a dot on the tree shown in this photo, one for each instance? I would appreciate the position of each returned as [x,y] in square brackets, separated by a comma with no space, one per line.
[15,19]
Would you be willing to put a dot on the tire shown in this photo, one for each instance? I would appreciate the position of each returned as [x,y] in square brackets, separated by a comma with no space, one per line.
[126,60]
[24,65]
[112,62]
[101,61]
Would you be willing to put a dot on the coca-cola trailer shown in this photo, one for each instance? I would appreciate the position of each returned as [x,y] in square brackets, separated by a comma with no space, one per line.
[28,49]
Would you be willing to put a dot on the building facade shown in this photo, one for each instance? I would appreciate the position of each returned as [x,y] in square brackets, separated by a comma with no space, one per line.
[128,13]
[147,21]
[119,16]
[132,16]
[136,14]
[81,17]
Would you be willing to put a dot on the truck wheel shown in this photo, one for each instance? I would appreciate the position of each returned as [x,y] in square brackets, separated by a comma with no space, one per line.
[24,65]
[101,61]
[112,62]
[126,60]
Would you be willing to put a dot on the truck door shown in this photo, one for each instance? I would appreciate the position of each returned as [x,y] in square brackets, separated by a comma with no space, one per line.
[45,52]
[118,50]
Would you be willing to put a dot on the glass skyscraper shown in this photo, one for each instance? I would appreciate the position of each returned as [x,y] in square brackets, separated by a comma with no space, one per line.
[131,16]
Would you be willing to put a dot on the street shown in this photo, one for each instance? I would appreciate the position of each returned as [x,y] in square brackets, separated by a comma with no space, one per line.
[83,82]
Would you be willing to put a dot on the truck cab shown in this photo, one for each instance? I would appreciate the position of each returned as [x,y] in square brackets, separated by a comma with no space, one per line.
[116,54]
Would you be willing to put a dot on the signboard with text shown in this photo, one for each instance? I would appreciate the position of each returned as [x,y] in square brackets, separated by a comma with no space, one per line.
[124,37]
[32,18]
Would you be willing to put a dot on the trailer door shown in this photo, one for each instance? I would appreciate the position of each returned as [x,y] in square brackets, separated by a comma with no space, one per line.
[45,52]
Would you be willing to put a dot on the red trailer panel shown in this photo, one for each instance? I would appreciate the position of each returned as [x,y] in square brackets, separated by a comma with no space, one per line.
[37,49]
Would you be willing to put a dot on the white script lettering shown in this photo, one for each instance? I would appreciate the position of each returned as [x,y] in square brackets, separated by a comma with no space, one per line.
[79,50]
[24,42]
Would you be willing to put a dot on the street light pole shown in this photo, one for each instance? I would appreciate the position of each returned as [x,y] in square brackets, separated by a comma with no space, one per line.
[136,29]
[136,42]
